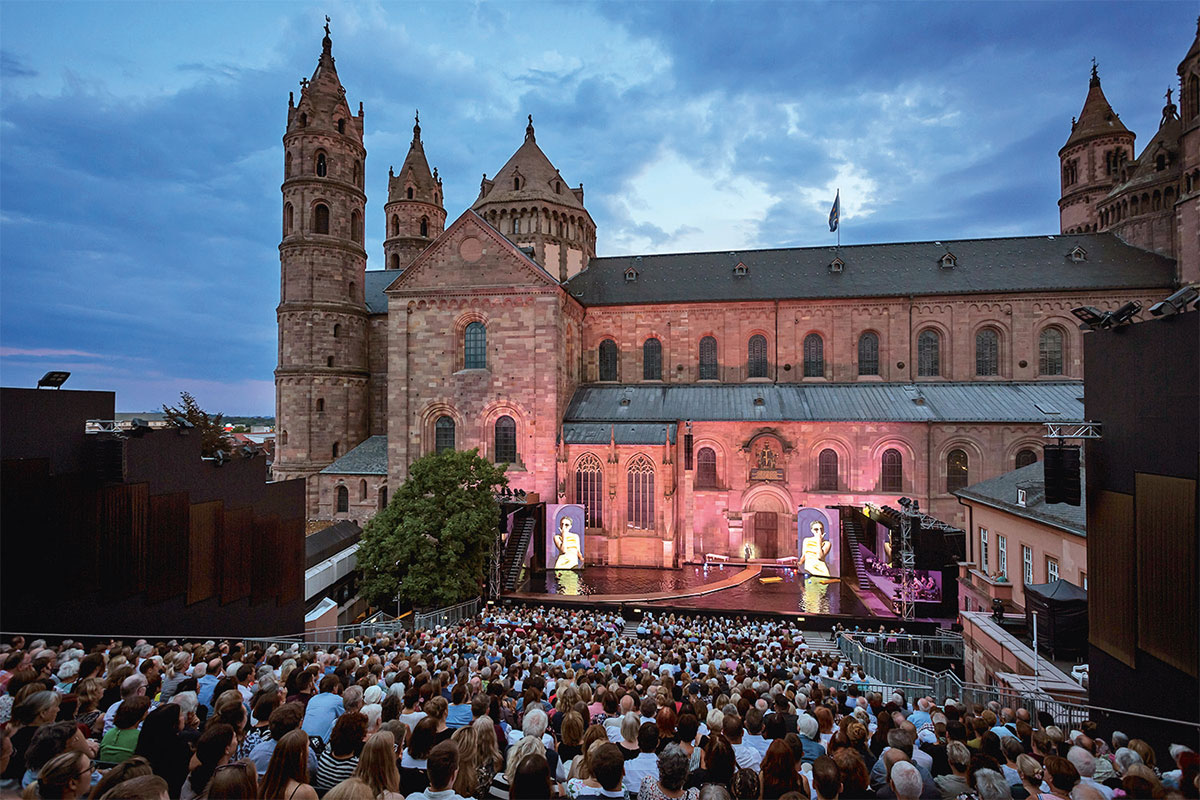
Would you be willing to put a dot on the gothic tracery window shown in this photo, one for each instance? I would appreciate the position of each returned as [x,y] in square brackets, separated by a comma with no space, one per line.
[827,470]
[868,354]
[589,490]
[957,474]
[706,468]
[756,357]
[891,475]
[987,353]
[475,346]
[814,356]
[443,434]
[640,494]
[929,346]
[652,360]
[506,441]
[708,359]
[1050,352]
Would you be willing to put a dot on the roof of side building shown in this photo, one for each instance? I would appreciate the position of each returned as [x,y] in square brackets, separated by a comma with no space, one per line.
[368,458]
[999,265]
[1001,493]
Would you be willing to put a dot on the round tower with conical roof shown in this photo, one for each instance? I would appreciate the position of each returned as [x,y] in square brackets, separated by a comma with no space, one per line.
[1091,160]
[1187,204]
[321,380]
[530,202]
[414,214]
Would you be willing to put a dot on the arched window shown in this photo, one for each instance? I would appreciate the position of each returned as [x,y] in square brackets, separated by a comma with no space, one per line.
[608,360]
[891,474]
[1026,457]
[337,330]
[362,489]
[341,125]
[424,226]
[329,361]
[652,360]
[322,164]
[395,227]
[289,215]
[956,470]
[382,498]
[929,358]
[868,354]
[516,225]
[443,434]
[356,230]
[640,497]
[321,218]
[708,359]
[394,261]
[756,357]
[353,293]
[516,185]
[827,471]
[336,449]
[287,165]
[1050,352]
[1191,97]
[320,404]
[506,441]
[987,353]
[589,490]
[410,193]
[475,346]
[814,356]
[706,468]
[343,499]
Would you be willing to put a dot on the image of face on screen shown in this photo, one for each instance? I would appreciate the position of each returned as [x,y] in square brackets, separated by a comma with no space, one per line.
[566,540]
[814,543]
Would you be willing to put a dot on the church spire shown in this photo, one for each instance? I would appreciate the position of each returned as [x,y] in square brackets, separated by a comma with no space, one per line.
[1097,117]
[529,130]
[417,129]
[1095,82]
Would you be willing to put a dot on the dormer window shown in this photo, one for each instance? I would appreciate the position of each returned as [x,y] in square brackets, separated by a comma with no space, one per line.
[1022,497]
[516,183]
[1078,254]
[558,187]
[1160,163]
[410,193]
[631,275]
[837,265]
[740,269]
[948,261]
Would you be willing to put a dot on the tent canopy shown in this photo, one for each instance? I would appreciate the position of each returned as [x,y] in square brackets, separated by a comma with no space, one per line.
[1062,612]
[1059,591]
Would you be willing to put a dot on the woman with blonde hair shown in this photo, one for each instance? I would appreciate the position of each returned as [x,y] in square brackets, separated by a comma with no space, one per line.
[488,760]
[468,777]
[87,708]
[377,766]
[528,746]
[67,775]
[1031,774]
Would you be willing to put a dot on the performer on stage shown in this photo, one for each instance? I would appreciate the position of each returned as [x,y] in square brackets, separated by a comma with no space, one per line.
[567,544]
[816,547]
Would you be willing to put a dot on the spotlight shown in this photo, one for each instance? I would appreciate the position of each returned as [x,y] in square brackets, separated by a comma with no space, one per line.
[53,379]
[1091,316]
[1175,303]
[905,502]
[1122,315]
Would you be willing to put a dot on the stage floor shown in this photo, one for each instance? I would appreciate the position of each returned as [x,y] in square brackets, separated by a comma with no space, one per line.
[795,593]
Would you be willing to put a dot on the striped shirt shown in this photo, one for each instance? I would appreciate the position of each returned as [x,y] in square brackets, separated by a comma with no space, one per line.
[332,771]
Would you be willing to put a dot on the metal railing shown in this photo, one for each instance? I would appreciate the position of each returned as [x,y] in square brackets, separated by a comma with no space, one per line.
[447,616]
[891,671]
[903,645]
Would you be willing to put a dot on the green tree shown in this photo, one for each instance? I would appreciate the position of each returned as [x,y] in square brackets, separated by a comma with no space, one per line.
[431,545]
[210,428]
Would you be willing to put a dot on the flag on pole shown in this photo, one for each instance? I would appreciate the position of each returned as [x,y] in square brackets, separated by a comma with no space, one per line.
[835,213]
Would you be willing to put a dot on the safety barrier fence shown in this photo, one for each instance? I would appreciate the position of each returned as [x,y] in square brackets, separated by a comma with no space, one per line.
[447,616]
[903,645]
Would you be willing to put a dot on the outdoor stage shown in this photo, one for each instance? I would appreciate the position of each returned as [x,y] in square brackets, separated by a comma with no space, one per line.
[730,587]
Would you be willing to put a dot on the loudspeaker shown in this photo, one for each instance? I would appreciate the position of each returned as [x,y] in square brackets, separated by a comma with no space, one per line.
[1061,474]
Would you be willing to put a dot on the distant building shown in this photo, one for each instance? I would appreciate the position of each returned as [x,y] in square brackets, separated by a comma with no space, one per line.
[1016,538]
[118,532]
[649,388]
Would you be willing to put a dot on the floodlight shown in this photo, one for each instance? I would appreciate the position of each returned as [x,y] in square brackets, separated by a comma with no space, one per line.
[1175,303]
[54,379]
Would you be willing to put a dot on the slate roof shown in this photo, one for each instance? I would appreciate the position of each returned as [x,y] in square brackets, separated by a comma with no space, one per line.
[369,458]
[625,433]
[1001,493]
[1096,118]
[376,282]
[1031,402]
[538,179]
[330,541]
[1017,264]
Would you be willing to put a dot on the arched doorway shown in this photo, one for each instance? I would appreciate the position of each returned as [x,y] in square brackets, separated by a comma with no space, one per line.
[769,523]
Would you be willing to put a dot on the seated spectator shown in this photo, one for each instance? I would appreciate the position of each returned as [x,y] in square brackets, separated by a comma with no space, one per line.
[488,760]
[646,763]
[413,777]
[52,740]
[717,764]
[324,709]
[340,758]
[284,719]
[147,787]
[1060,775]
[905,781]
[121,740]
[532,781]
[608,770]
[163,746]
[351,789]
[1141,782]
[672,773]
[778,768]
[745,785]
[442,769]
[38,707]
[232,781]
[826,779]
[262,705]
[287,770]
[377,766]
[67,775]
[990,784]
[216,746]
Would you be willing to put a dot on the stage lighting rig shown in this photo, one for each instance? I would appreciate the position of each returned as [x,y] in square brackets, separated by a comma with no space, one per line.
[1122,315]
[1090,315]
[1175,303]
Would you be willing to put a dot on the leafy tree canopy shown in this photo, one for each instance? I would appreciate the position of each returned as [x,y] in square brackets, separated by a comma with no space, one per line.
[431,545]
[210,427]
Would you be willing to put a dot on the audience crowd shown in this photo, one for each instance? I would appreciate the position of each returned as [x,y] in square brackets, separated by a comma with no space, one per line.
[532,702]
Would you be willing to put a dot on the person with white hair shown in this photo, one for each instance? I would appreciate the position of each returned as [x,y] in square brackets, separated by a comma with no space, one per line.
[808,729]
[989,785]
[1125,758]
[135,684]
[1085,765]
[905,781]
[66,676]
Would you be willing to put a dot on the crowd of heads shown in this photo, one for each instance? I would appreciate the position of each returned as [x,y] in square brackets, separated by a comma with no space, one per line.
[531,702]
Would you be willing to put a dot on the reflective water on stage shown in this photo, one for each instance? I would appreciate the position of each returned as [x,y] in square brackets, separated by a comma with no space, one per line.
[794,592]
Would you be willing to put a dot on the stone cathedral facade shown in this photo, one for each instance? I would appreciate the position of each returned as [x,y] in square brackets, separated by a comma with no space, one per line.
[653,388]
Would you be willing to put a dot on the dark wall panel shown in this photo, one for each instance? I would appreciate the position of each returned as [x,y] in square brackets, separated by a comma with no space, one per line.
[291,560]
[1111,575]
[1167,603]
[120,514]
[235,554]
[167,546]
[265,576]
[203,537]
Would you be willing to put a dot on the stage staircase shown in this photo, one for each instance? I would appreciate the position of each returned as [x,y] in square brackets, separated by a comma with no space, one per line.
[514,554]
[820,642]
[853,528]
[631,628]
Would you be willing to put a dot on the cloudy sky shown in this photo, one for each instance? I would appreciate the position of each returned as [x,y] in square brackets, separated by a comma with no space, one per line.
[140,153]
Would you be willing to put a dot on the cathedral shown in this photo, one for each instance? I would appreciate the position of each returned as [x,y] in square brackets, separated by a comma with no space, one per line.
[692,402]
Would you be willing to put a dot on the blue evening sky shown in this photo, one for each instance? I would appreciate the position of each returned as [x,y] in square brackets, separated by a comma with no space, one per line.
[140,153]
